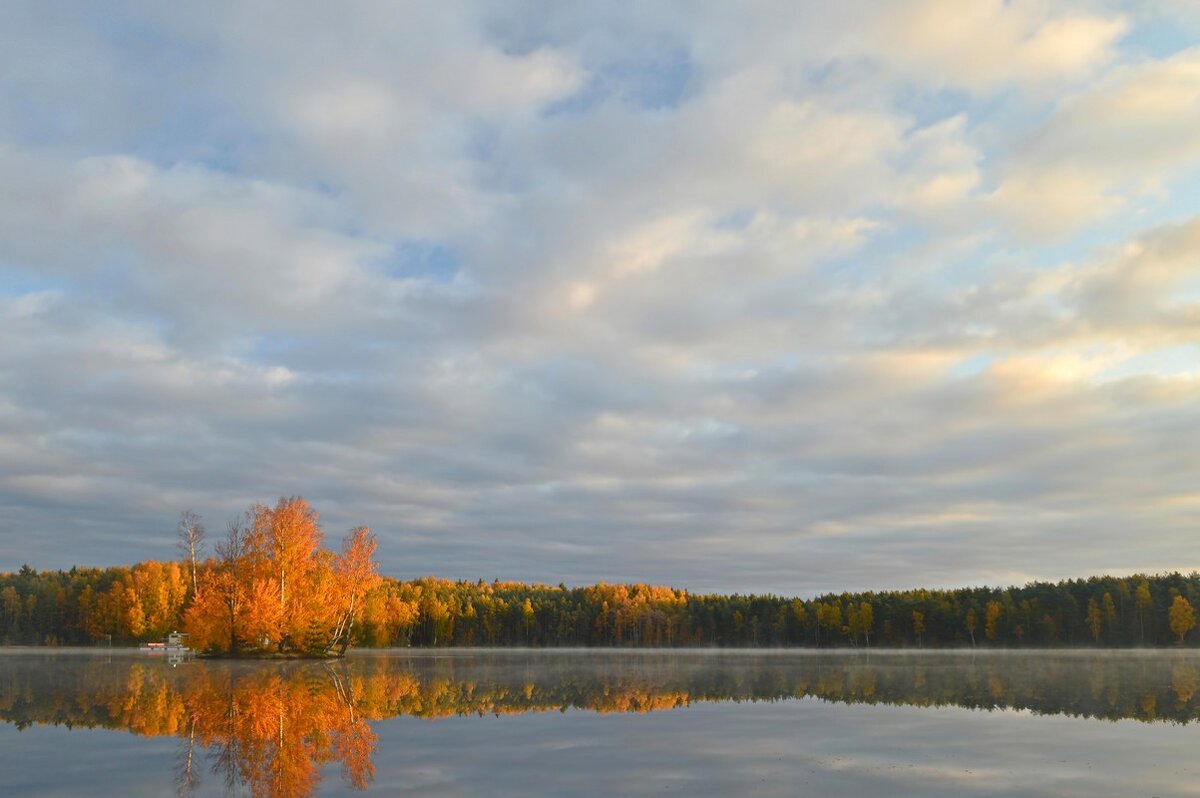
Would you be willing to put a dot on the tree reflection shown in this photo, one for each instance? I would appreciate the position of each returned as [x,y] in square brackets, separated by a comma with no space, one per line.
[187,773]
[273,729]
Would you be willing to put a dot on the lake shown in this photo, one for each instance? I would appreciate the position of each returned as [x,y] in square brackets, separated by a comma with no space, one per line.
[599,723]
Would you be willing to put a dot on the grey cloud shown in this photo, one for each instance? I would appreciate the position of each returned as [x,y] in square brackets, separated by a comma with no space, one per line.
[704,306]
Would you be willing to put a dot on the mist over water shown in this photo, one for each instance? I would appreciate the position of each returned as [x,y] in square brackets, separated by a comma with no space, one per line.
[604,722]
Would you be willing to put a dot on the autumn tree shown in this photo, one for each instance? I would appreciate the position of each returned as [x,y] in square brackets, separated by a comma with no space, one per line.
[851,629]
[1110,614]
[287,539]
[829,615]
[356,575]
[1094,620]
[991,619]
[191,540]
[274,587]
[1182,617]
[799,613]
[860,618]
[918,622]
[215,618]
[527,618]
[1144,602]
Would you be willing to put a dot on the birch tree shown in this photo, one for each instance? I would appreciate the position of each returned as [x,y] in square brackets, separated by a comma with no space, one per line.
[191,541]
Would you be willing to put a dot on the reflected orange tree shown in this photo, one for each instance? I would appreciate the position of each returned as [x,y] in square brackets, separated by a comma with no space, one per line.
[272,731]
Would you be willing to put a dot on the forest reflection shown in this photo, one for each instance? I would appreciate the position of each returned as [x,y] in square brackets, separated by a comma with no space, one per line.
[273,728]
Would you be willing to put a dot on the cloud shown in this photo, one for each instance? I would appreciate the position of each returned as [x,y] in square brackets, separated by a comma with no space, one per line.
[987,43]
[1118,142]
[801,300]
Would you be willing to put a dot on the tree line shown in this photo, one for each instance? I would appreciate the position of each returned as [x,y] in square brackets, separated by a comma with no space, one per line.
[1140,610]
[271,585]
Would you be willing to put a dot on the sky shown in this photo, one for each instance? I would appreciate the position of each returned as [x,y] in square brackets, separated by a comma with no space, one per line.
[760,297]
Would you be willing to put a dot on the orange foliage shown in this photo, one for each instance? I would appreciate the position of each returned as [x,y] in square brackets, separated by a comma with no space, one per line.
[272,731]
[285,544]
[144,602]
[275,588]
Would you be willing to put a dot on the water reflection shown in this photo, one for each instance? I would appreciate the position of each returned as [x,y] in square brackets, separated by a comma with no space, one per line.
[272,729]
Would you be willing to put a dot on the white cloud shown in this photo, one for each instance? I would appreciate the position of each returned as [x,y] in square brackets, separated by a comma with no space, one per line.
[1126,137]
[990,42]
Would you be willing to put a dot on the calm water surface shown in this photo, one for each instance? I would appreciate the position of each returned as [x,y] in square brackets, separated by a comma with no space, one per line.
[604,723]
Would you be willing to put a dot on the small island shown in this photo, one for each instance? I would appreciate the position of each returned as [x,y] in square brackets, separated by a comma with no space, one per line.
[273,590]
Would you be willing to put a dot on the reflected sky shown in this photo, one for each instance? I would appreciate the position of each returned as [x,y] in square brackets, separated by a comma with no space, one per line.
[602,723]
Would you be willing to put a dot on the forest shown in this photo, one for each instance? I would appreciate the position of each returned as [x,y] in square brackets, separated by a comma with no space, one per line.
[271,586]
